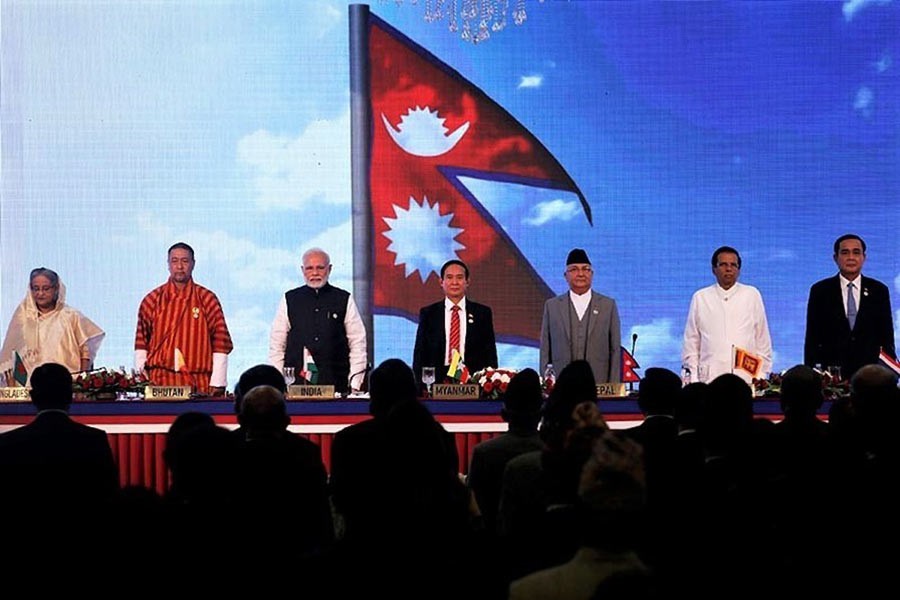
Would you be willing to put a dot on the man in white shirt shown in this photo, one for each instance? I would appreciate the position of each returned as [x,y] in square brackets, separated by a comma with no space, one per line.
[723,317]
[322,321]
[582,324]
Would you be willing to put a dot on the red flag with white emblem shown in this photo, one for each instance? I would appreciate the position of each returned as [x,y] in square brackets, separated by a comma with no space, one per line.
[435,141]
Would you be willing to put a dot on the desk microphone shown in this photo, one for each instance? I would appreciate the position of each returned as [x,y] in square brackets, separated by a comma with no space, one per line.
[633,342]
[363,387]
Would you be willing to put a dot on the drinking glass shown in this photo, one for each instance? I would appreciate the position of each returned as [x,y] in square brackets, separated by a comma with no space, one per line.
[428,377]
[288,373]
[703,373]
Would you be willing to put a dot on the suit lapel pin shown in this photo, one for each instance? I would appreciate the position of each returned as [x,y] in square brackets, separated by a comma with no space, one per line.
[471,319]
[865,291]
[334,315]
[595,311]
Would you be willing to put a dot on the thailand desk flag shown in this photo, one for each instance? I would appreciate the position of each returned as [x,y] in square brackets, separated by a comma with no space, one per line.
[628,367]
[426,143]
[889,361]
[746,361]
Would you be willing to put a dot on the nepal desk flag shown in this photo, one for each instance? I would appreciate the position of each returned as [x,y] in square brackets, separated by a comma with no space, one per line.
[426,145]
[628,367]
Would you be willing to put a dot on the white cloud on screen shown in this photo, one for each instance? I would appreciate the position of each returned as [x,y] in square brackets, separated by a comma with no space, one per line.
[884,63]
[530,81]
[298,172]
[658,344]
[555,210]
[250,267]
[863,100]
[852,7]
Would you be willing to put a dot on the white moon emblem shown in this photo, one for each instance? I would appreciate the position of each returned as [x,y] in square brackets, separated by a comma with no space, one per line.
[421,132]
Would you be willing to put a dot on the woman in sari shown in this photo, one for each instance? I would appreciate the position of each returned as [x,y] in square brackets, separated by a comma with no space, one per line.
[43,329]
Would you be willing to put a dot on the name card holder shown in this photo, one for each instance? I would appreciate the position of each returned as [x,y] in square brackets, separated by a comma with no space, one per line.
[611,390]
[455,391]
[14,394]
[165,393]
[310,392]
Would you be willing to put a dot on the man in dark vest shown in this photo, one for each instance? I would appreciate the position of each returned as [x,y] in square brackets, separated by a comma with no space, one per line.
[320,322]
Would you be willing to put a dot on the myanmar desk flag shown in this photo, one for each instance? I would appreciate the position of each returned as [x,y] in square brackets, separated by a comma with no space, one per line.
[458,370]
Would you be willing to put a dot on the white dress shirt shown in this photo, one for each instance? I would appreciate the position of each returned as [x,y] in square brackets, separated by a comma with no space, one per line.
[356,339]
[719,320]
[856,291]
[581,302]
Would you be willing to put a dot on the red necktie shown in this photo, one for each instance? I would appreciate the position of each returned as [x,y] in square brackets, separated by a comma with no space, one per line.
[454,331]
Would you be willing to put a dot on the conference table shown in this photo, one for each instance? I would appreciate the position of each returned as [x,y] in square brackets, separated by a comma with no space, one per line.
[137,429]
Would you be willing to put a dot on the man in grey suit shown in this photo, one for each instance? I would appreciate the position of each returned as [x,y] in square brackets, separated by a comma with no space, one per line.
[582,324]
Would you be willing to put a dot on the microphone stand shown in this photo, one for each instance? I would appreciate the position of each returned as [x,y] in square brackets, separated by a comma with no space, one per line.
[362,387]
[633,343]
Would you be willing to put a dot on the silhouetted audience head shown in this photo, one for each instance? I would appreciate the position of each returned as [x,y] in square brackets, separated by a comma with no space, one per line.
[51,387]
[180,427]
[730,400]
[874,394]
[523,398]
[689,405]
[612,490]
[801,392]
[263,412]
[659,390]
[392,382]
[254,376]
[575,385]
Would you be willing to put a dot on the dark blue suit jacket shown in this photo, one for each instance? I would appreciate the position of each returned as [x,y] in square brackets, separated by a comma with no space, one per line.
[829,340]
[480,349]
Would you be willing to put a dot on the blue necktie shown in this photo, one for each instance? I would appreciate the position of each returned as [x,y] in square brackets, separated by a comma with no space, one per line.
[851,306]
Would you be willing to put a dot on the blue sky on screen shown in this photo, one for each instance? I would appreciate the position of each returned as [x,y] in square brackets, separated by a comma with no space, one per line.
[771,127]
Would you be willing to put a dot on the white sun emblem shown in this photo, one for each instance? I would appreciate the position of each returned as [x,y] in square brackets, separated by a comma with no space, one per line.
[421,237]
[421,132]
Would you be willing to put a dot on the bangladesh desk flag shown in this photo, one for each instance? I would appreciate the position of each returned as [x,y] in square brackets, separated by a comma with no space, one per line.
[746,361]
[20,373]
[458,370]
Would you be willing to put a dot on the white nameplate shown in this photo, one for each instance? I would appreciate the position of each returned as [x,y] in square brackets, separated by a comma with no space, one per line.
[14,394]
[306,392]
[455,391]
[611,389]
[167,392]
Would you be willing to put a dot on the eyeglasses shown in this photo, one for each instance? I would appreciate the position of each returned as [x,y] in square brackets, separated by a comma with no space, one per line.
[574,270]
[46,289]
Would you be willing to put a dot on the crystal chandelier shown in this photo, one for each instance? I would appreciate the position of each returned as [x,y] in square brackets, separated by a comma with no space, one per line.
[475,20]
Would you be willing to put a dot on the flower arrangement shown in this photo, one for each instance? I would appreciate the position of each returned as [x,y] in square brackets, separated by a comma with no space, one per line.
[833,386]
[492,381]
[104,383]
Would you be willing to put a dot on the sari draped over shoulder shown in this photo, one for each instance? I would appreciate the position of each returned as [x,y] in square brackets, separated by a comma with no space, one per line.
[63,336]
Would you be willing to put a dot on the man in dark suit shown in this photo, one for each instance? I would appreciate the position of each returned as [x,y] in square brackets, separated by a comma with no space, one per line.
[54,461]
[435,337]
[582,324]
[848,317]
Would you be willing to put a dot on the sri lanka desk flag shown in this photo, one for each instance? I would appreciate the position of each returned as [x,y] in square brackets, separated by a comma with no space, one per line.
[20,373]
[746,361]
[628,367]
[429,152]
